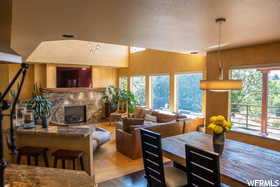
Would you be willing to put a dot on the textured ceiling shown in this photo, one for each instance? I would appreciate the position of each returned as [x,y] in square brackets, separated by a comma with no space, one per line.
[173,25]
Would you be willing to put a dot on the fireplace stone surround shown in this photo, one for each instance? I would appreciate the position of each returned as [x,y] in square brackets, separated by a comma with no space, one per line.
[89,100]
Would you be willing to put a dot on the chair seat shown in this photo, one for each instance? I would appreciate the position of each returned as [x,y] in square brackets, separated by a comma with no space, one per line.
[175,177]
[33,151]
[67,154]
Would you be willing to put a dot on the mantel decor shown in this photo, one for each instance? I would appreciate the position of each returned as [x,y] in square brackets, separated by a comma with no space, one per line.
[219,125]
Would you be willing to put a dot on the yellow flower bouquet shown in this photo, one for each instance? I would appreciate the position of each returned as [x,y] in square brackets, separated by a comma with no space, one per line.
[218,124]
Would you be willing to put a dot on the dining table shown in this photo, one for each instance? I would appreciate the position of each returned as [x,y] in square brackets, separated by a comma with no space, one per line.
[241,164]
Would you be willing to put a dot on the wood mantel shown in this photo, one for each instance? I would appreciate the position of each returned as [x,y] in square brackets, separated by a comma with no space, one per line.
[71,90]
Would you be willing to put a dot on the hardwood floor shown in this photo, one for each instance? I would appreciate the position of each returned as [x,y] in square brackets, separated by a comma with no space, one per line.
[135,179]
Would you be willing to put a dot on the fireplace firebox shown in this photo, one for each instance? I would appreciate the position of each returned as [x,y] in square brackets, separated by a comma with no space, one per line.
[75,114]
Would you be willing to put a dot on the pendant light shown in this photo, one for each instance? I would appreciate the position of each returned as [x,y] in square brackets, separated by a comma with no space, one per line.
[220,85]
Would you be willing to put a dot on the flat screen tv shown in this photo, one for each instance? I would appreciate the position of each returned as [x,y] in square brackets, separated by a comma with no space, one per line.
[69,77]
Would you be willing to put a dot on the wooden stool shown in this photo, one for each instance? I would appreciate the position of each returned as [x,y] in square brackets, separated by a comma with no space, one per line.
[32,152]
[64,155]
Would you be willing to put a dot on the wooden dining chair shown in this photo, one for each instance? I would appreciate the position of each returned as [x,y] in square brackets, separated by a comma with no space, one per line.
[156,174]
[121,112]
[203,168]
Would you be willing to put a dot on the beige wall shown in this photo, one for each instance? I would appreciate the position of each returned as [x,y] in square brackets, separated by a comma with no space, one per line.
[154,62]
[104,76]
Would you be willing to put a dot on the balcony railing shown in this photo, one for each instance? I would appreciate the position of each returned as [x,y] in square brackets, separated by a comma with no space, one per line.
[248,116]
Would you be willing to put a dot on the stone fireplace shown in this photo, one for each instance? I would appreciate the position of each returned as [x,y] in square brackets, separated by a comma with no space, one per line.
[75,114]
[75,105]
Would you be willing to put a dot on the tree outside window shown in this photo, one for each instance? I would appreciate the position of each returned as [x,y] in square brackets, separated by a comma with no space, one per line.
[123,83]
[160,85]
[188,94]
[138,86]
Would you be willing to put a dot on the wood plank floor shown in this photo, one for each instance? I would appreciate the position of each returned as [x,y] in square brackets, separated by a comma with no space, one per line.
[135,179]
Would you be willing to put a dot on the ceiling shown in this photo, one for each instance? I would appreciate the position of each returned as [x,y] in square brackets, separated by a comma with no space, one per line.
[172,25]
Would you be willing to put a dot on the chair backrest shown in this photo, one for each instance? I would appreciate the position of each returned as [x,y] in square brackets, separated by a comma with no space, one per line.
[122,106]
[152,157]
[202,167]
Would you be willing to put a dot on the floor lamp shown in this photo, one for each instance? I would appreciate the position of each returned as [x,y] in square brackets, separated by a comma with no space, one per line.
[4,105]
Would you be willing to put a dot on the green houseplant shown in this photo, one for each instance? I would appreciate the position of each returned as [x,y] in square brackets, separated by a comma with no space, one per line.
[113,94]
[41,106]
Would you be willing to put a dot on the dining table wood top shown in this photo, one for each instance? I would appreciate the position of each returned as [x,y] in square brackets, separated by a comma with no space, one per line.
[240,161]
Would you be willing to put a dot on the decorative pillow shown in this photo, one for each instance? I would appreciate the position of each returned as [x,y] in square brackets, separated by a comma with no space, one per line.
[131,121]
[163,117]
[138,112]
[149,117]
[146,111]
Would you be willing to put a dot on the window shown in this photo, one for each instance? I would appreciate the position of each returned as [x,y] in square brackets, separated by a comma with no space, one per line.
[123,83]
[138,88]
[188,94]
[253,108]
[160,92]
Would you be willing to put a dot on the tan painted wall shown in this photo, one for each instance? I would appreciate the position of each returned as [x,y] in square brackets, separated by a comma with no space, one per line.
[40,75]
[153,62]
[4,76]
[104,76]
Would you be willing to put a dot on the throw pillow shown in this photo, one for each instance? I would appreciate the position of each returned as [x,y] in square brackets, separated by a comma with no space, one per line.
[163,117]
[131,121]
[145,111]
[138,112]
[149,117]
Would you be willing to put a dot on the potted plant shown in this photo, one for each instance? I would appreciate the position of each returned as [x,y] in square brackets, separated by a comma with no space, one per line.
[219,125]
[41,107]
[130,97]
[109,98]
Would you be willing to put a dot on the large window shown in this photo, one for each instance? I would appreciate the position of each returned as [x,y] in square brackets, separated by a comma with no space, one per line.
[123,83]
[160,92]
[188,94]
[138,88]
[255,108]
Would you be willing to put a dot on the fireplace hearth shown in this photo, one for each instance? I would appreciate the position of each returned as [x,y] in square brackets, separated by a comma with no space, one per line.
[75,114]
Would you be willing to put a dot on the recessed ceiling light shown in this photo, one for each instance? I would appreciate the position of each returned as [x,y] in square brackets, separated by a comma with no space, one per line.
[68,36]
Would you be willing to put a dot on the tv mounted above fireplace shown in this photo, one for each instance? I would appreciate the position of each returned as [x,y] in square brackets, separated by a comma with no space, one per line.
[69,77]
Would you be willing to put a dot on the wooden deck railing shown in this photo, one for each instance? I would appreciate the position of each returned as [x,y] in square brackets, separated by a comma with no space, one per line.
[248,116]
